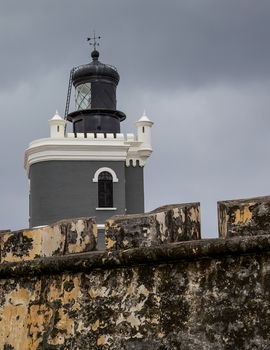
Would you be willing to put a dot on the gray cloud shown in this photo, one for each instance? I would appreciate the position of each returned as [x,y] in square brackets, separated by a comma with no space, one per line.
[199,68]
[165,44]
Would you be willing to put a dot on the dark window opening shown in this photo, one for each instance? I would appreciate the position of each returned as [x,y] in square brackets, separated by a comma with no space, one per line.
[57,128]
[105,190]
[143,129]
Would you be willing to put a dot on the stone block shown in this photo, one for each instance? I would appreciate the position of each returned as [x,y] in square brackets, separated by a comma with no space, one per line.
[167,224]
[81,235]
[244,217]
[63,237]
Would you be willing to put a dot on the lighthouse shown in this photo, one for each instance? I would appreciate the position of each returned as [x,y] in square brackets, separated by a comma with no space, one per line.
[95,170]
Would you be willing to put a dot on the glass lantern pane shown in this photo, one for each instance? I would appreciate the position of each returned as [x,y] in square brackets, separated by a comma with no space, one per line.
[83,96]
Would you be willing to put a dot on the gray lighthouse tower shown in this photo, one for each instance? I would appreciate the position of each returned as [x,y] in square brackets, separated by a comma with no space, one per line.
[94,170]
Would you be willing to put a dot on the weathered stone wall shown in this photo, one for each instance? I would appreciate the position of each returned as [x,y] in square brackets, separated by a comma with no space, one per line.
[244,217]
[64,237]
[168,224]
[189,294]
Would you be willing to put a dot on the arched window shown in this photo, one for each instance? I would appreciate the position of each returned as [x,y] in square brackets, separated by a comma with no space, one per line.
[105,190]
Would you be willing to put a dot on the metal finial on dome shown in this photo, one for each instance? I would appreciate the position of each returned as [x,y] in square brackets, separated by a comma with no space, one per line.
[95,55]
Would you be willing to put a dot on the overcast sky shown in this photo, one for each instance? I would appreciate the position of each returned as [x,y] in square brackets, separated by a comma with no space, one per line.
[200,69]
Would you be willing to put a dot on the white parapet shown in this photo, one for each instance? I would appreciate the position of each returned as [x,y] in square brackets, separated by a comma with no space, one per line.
[91,146]
[90,135]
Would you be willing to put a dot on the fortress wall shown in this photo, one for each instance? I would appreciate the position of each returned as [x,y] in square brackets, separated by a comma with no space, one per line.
[167,293]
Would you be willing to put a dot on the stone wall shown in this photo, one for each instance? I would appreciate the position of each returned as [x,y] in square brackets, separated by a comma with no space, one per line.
[171,291]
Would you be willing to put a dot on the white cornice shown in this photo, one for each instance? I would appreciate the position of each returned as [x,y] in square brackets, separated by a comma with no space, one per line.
[99,148]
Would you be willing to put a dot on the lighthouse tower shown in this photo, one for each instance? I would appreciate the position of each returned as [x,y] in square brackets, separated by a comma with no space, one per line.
[94,170]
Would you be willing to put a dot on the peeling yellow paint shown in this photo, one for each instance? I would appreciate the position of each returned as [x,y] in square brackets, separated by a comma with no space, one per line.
[93,293]
[52,240]
[19,296]
[75,307]
[243,215]
[74,293]
[55,292]
[114,293]
[110,243]
[109,223]
[13,319]
[95,230]
[65,325]
[81,327]
[101,340]
[194,214]
[15,330]
[77,226]
[95,326]
[175,213]
[183,216]
[81,242]
[160,217]
[38,320]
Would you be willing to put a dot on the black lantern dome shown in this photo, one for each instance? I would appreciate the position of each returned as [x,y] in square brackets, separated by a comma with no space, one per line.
[95,69]
[95,98]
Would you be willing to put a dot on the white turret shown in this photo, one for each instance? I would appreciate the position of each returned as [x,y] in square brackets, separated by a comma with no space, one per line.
[57,126]
[144,126]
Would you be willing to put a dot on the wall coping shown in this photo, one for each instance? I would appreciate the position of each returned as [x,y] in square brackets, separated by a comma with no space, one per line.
[170,253]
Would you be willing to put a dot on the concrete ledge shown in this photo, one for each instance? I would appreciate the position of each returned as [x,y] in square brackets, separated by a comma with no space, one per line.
[193,250]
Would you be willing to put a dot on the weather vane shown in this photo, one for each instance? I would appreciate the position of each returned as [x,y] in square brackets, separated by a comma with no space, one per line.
[94,40]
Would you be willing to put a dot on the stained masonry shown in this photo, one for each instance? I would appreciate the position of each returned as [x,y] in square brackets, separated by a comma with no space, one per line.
[157,286]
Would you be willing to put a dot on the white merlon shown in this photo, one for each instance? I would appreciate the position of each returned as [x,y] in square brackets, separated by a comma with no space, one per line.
[132,149]
[57,126]
[130,137]
[109,136]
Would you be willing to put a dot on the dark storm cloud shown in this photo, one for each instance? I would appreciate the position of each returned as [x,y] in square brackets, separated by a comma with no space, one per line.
[163,43]
[199,67]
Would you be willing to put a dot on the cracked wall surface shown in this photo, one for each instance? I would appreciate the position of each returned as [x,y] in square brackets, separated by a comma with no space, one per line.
[182,294]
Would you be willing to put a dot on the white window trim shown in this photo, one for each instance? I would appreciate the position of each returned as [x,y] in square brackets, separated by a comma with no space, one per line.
[106,208]
[109,170]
